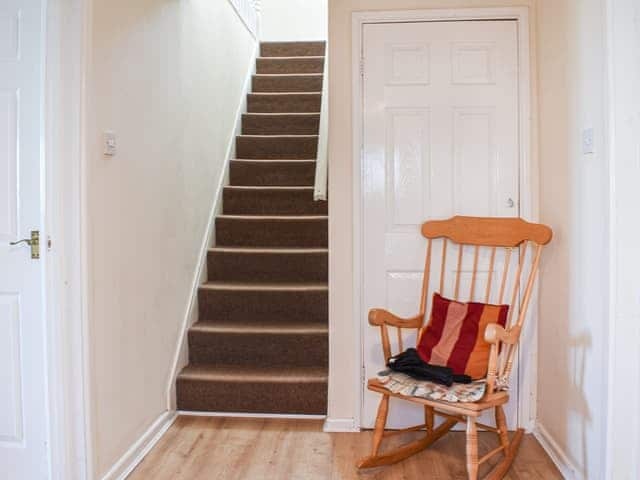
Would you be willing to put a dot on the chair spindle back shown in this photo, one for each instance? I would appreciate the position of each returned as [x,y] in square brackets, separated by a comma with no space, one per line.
[500,258]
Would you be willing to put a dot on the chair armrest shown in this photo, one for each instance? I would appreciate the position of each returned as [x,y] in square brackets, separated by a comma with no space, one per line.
[379,317]
[495,334]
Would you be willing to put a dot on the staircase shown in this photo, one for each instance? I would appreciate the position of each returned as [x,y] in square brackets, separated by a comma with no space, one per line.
[261,341]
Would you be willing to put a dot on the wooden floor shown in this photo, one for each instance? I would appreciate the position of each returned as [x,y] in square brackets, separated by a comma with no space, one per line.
[241,448]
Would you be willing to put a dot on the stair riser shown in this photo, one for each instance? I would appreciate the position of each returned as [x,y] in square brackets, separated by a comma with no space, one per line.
[277,147]
[271,233]
[280,124]
[297,83]
[289,65]
[264,306]
[248,350]
[255,397]
[283,103]
[268,267]
[271,202]
[292,49]
[260,173]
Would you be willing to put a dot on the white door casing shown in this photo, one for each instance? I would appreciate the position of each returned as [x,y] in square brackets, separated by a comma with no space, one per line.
[23,399]
[440,137]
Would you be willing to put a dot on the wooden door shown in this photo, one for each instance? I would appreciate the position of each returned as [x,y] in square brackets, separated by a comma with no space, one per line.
[23,406]
[440,138]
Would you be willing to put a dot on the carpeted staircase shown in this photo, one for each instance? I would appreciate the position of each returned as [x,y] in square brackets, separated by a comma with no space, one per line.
[261,342]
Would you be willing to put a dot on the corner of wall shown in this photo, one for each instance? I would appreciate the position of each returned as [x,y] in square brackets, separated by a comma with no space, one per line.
[132,457]
[561,460]
[340,425]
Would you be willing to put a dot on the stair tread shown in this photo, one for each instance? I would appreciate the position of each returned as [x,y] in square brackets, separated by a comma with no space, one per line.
[247,286]
[288,328]
[296,57]
[274,217]
[293,42]
[258,373]
[285,93]
[278,136]
[282,114]
[275,250]
[275,160]
[286,75]
[284,161]
[270,187]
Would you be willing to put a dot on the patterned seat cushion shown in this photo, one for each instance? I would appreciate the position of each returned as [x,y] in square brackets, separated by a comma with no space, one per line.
[405,385]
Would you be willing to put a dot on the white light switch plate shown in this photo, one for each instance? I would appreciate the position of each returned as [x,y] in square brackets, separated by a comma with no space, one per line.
[587,140]
[110,145]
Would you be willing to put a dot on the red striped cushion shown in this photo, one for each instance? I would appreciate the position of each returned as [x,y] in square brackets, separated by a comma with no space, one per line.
[454,336]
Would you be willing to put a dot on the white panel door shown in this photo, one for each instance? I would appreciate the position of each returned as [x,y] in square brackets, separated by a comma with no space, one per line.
[440,139]
[23,407]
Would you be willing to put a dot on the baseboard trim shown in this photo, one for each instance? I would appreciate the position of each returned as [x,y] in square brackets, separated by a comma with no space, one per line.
[190,413]
[568,470]
[132,457]
[216,207]
[340,425]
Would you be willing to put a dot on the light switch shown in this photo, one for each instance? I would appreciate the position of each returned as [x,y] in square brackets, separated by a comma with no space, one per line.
[110,145]
[587,141]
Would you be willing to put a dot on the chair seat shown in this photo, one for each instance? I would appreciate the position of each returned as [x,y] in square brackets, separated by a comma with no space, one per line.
[472,409]
[410,387]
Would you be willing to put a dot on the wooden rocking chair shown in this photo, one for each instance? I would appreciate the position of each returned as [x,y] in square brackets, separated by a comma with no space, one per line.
[499,237]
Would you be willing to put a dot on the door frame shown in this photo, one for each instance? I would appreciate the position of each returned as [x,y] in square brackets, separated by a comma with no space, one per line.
[66,42]
[528,170]
[623,151]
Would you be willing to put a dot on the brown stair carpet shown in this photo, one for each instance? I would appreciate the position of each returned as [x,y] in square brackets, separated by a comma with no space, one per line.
[282,65]
[272,172]
[280,123]
[261,341]
[308,82]
[283,102]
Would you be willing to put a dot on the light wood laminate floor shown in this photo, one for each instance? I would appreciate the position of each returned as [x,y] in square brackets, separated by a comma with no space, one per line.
[214,448]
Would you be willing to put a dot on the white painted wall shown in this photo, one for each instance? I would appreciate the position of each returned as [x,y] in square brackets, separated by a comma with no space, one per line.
[574,297]
[167,77]
[289,20]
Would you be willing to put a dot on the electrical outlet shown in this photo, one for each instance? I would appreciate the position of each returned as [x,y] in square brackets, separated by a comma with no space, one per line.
[587,141]
[110,145]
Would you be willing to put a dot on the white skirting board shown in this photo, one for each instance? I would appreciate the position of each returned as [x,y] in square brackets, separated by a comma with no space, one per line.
[132,457]
[189,413]
[340,425]
[568,470]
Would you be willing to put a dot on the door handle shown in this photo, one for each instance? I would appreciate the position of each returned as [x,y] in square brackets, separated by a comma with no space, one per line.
[33,242]
[510,203]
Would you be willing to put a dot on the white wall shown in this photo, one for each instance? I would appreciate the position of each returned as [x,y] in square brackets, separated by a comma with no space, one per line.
[289,20]
[167,77]
[575,201]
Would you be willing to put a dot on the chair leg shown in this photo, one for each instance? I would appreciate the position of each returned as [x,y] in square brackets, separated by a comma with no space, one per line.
[501,423]
[510,446]
[428,419]
[381,421]
[472,448]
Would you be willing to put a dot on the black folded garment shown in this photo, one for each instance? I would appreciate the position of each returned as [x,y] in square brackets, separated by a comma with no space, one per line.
[410,363]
